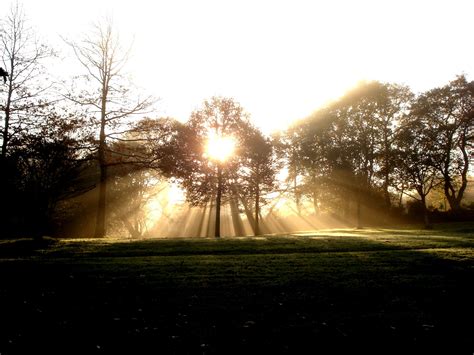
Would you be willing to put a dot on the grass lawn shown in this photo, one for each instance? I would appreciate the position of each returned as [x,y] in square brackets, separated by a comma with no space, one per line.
[370,290]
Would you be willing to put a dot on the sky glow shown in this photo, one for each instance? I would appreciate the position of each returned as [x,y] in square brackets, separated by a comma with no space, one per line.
[220,148]
[280,59]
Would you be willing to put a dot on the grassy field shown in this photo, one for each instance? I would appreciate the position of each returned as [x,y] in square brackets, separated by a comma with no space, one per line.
[331,291]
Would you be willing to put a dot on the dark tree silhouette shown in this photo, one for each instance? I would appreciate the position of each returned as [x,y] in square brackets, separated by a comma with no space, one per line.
[450,113]
[48,163]
[4,75]
[27,87]
[415,170]
[204,178]
[258,177]
[343,153]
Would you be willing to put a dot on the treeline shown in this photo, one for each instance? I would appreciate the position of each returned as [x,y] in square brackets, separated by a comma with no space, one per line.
[380,143]
[85,156]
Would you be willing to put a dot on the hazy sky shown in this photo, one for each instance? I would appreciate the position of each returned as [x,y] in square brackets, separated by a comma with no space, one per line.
[280,59]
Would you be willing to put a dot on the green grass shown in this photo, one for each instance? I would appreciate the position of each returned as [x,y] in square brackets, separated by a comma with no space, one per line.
[384,290]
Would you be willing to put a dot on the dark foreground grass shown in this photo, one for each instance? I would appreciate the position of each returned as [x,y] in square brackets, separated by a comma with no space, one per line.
[339,291]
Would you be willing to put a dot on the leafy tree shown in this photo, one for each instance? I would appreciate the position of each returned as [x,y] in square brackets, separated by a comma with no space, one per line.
[450,113]
[258,172]
[415,157]
[49,162]
[395,104]
[158,142]
[317,144]
[130,191]
[138,162]
[203,177]
[288,146]
[344,151]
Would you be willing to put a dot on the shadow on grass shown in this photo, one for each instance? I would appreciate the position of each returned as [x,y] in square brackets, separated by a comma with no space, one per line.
[313,242]
[379,292]
[26,247]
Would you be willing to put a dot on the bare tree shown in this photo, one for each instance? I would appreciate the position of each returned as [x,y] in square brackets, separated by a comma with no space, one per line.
[107,97]
[22,92]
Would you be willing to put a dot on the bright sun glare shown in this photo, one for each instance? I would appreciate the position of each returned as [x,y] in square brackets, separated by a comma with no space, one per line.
[220,148]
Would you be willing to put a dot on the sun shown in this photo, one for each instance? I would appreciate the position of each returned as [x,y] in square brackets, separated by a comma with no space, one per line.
[220,148]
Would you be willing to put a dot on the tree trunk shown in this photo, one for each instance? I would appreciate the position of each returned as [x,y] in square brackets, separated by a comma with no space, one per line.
[257,211]
[426,217]
[209,218]
[295,189]
[387,165]
[236,221]
[297,196]
[5,132]
[217,231]
[454,200]
[386,193]
[359,212]
[201,222]
[248,213]
[100,229]
[132,230]
[400,200]
[6,110]
[358,192]
[449,190]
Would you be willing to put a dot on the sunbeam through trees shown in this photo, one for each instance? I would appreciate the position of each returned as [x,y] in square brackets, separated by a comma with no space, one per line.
[379,154]
[236,177]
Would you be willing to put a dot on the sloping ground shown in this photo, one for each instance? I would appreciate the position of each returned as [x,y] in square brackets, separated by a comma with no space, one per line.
[383,291]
